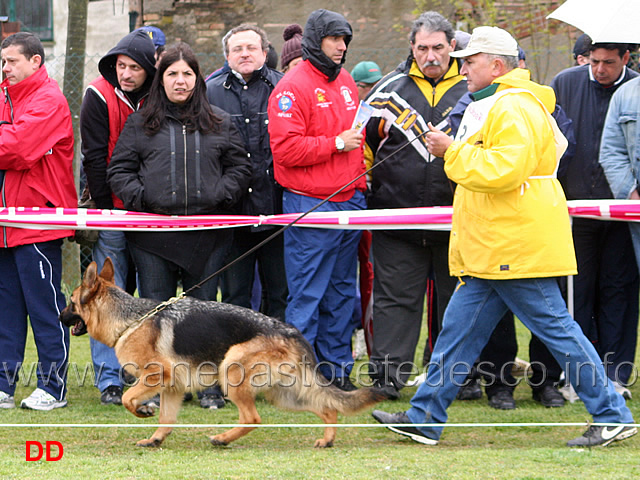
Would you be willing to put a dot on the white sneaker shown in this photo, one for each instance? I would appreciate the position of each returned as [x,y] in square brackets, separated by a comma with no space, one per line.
[569,393]
[6,401]
[622,390]
[41,400]
[359,345]
[417,380]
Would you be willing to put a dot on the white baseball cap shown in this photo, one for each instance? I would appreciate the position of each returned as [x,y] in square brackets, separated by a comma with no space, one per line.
[492,40]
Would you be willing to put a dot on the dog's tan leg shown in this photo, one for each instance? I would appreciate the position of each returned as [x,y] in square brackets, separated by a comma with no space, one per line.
[243,398]
[327,416]
[170,403]
[133,398]
[151,381]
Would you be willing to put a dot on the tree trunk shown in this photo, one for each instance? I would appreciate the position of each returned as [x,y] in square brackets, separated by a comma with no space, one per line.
[73,88]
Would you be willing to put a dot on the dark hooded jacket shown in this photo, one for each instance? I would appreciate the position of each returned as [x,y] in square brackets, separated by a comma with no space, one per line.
[324,23]
[104,111]
[247,102]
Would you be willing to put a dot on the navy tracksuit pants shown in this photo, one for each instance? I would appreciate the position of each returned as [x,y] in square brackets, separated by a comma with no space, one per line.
[30,278]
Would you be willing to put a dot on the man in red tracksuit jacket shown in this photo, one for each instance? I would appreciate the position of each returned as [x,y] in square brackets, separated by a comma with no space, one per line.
[36,158]
[315,152]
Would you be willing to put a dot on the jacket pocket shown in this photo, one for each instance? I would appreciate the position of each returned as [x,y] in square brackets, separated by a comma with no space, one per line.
[628,122]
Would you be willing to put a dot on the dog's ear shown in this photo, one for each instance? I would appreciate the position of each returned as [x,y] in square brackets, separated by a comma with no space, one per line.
[90,276]
[89,283]
[107,270]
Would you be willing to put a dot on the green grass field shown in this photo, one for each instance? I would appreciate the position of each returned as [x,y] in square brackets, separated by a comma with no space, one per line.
[288,453]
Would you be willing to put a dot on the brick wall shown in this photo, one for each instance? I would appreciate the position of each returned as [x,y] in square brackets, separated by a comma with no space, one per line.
[380,27]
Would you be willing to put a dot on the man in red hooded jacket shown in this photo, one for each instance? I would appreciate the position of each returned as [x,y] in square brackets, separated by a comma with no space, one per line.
[36,156]
[315,152]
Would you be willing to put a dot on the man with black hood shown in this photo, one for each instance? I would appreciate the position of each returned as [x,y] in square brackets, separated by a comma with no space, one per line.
[316,152]
[126,75]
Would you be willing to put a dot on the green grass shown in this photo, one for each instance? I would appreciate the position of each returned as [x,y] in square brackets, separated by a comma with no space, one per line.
[288,453]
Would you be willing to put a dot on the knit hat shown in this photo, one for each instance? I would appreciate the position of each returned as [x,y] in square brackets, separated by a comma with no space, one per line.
[462,39]
[292,47]
[522,55]
[366,72]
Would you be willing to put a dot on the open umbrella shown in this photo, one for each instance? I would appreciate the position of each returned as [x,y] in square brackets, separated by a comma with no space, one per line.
[605,21]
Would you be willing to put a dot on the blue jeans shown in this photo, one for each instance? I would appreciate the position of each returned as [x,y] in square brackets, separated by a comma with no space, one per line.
[112,244]
[473,312]
[321,267]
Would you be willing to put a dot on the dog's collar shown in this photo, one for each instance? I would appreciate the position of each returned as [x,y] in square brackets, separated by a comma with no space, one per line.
[158,308]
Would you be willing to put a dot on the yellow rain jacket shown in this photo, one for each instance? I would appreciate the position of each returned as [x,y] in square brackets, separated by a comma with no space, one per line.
[507,224]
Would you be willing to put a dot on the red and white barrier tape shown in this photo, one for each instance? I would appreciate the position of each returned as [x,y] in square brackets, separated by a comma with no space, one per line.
[430,218]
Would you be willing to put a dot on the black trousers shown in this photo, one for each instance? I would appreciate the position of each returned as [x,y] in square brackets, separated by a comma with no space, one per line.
[606,292]
[237,282]
[496,360]
[401,270]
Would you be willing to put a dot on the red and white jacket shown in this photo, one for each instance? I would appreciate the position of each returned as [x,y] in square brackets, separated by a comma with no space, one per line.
[119,108]
[306,113]
[36,153]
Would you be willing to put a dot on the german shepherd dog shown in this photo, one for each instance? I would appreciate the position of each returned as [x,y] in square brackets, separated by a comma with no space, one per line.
[191,343]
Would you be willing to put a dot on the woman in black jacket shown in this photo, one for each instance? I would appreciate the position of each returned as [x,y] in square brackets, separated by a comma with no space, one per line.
[179,155]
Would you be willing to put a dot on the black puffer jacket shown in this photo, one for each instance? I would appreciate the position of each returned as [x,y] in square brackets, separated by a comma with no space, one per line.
[247,105]
[177,172]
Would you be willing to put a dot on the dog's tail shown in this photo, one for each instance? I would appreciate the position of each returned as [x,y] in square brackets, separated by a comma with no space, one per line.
[305,388]
[349,403]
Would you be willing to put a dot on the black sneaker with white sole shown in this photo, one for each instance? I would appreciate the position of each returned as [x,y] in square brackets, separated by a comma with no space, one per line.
[403,427]
[112,395]
[602,436]
[212,398]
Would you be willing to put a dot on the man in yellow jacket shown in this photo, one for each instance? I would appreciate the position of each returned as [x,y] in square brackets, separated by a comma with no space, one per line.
[510,238]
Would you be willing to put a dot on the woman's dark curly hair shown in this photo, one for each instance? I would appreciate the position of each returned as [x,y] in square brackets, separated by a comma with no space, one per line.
[195,113]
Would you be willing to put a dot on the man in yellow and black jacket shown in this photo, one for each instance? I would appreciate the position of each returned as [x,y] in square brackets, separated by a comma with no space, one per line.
[423,89]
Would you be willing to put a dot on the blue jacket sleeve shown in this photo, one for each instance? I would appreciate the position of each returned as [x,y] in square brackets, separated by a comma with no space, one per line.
[614,153]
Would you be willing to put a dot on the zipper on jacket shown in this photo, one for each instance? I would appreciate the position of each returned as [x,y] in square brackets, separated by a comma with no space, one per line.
[173,167]
[197,162]
[4,204]
[186,186]
[7,98]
